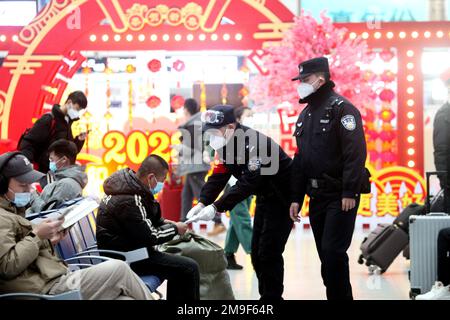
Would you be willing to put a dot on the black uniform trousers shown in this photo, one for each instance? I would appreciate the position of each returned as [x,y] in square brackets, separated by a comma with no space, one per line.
[443,256]
[271,228]
[333,231]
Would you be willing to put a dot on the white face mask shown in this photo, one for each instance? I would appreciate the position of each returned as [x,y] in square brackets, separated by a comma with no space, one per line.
[306,89]
[248,122]
[218,142]
[72,113]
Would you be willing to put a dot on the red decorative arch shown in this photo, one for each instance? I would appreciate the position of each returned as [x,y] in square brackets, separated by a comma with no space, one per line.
[46,53]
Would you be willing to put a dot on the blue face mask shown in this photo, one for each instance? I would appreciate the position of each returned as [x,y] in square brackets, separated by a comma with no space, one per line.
[158,188]
[21,199]
[52,166]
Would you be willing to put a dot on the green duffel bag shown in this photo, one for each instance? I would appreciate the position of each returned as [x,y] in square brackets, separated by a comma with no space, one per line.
[214,279]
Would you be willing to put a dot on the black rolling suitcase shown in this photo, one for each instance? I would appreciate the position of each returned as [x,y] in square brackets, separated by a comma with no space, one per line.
[382,246]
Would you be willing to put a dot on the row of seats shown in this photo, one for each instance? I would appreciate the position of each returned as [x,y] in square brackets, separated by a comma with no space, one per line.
[79,250]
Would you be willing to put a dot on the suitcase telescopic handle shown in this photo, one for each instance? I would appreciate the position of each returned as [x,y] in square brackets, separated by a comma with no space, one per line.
[428,176]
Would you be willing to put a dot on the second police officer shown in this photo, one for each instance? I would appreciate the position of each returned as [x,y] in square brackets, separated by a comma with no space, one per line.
[261,168]
[329,167]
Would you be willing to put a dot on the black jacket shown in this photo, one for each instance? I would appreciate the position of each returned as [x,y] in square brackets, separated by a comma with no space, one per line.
[440,139]
[246,165]
[129,217]
[331,142]
[35,143]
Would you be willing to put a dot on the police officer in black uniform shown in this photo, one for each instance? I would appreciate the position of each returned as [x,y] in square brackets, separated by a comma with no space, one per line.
[329,167]
[261,168]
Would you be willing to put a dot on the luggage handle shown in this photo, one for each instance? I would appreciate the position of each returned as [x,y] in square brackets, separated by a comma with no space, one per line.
[428,175]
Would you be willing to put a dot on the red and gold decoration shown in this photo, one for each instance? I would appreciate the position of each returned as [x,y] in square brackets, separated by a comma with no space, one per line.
[154,65]
[153,102]
[177,102]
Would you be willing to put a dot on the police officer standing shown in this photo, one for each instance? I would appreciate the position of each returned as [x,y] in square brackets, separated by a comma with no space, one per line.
[261,168]
[329,167]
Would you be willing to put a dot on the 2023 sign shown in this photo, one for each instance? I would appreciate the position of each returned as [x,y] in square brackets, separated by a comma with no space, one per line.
[133,148]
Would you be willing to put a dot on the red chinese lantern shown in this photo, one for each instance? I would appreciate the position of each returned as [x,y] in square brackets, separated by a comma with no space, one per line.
[179,65]
[387,95]
[153,102]
[177,102]
[243,92]
[154,65]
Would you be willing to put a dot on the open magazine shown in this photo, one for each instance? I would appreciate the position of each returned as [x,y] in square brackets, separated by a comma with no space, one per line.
[72,214]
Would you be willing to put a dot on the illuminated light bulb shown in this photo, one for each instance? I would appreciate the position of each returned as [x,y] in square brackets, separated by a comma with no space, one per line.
[415,34]
[202,37]
[411,139]
[411,151]
[141,37]
[238,37]
[411,164]
[117,37]
[390,35]
[166,37]
[214,37]
[411,127]
[410,115]
[402,35]
[93,37]
[105,37]
[410,102]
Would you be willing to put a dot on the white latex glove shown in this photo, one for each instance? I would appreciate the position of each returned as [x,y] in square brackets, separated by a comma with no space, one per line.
[205,214]
[194,211]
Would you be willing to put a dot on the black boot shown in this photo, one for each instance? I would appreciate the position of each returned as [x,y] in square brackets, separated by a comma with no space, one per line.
[232,265]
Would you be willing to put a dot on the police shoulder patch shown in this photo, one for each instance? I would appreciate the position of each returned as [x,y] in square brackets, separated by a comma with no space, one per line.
[254,165]
[349,122]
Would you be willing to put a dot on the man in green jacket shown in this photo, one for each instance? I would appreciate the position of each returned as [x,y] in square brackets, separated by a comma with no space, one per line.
[27,258]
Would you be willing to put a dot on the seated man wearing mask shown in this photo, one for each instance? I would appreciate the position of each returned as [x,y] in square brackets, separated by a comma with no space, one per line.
[66,178]
[27,258]
[129,218]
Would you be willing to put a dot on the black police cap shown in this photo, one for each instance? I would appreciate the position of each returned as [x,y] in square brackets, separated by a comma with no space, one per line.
[218,117]
[309,67]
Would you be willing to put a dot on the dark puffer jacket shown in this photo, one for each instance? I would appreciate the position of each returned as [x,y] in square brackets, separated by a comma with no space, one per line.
[129,217]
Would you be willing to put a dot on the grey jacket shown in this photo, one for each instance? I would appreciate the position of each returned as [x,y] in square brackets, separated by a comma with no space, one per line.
[192,147]
[69,183]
